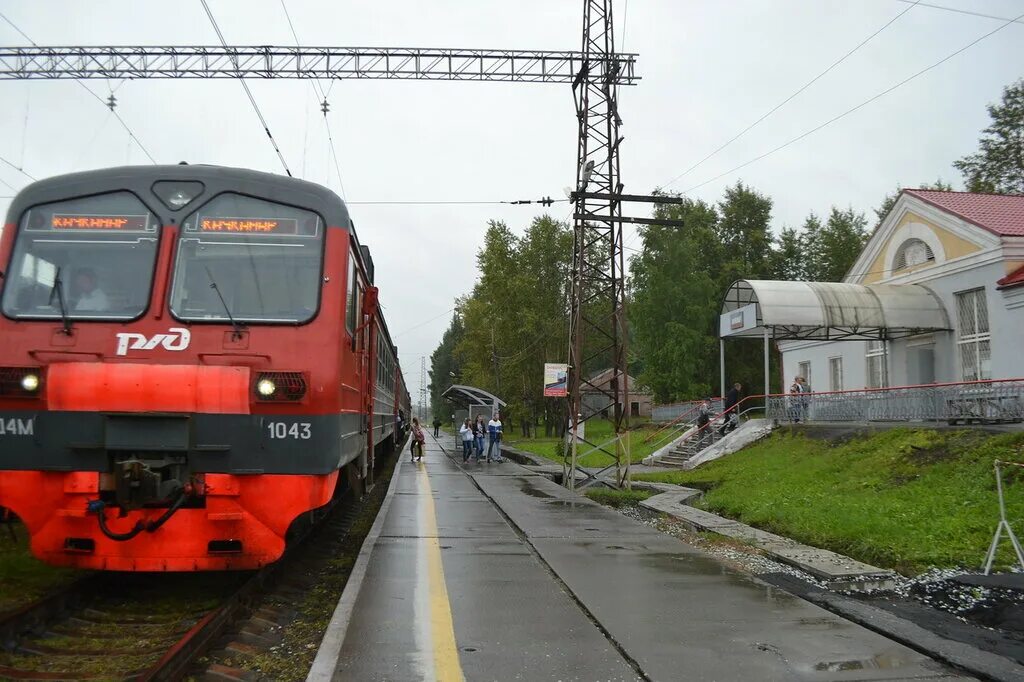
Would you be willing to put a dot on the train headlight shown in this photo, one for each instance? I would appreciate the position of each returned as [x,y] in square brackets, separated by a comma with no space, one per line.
[265,387]
[30,382]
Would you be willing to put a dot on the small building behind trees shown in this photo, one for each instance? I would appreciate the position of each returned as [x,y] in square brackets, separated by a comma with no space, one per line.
[594,400]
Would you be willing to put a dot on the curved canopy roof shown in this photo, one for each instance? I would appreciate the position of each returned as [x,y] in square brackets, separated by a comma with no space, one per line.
[830,310]
[464,396]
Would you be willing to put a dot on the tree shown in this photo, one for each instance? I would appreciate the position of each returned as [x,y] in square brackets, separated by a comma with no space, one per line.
[832,248]
[890,199]
[998,165]
[675,300]
[788,256]
[515,319]
[744,231]
[445,364]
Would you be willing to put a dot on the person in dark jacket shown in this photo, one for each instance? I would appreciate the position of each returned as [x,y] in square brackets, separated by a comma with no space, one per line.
[732,399]
[437,426]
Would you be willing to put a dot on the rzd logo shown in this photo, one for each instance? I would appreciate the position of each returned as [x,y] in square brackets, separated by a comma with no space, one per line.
[176,338]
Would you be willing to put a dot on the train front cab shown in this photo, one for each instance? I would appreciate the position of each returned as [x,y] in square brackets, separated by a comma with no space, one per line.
[185,418]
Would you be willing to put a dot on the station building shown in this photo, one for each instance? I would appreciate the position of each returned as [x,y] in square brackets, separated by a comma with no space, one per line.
[966,250]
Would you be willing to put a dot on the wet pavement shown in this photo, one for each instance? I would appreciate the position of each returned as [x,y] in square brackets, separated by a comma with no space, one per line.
[489,572]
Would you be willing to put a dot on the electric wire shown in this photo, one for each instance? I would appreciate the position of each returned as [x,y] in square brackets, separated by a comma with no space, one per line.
[248,92]
[854,108]
[87,89]
[964,11]
[19,169]
[422,324]
[451,203]
[783,103]
[319,90]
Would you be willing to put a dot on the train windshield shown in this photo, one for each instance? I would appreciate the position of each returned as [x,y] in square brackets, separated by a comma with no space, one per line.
[91,256]
[249,260]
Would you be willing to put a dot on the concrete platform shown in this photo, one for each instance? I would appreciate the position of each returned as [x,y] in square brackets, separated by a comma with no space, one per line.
[492,572]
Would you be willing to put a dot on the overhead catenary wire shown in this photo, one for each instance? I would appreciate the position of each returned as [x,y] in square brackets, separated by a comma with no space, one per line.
[18,168]
[784,102]
[99,99]
[455,202]
[248,92]
[851,110]
[319,91]
[962,11]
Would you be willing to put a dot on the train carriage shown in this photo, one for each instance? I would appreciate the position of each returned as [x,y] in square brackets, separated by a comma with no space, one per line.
[191,358]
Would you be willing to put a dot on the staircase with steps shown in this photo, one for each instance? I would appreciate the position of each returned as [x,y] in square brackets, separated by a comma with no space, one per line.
[689,447]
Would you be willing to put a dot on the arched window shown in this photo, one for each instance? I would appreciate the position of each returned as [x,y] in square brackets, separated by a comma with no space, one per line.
[912,252]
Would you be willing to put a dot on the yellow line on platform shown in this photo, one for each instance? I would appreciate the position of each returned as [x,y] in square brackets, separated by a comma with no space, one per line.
[447,667]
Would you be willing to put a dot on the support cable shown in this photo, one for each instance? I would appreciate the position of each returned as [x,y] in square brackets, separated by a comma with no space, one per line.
[87,89]
[319,90]
[857,107]
[790,98]
[19,169]
[245,86]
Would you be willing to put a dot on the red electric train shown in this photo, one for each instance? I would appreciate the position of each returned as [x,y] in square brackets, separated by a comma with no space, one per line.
[192,358]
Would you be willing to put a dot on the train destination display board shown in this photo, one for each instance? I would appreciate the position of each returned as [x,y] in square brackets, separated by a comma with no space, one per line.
[97,223]
[274,226]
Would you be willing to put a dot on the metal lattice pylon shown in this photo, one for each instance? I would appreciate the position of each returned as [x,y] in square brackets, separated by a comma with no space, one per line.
[597,295]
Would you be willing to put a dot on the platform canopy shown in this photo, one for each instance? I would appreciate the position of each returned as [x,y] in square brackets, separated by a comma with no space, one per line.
[466,396]
[829,310]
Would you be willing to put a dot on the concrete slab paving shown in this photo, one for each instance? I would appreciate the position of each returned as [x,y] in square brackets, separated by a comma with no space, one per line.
[540,584]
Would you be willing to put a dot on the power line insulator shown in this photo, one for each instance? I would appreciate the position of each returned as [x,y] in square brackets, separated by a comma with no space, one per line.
[547,201]
[111,102]
[325,106]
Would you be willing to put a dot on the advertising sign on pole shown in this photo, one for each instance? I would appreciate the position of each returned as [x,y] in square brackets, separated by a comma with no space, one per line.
[556,383]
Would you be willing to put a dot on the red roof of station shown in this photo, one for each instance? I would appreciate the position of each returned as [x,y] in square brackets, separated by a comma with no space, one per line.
[1015,278]
[1002,214]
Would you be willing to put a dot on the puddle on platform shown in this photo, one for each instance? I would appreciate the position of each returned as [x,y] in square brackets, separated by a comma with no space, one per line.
[529,489]
[883,661]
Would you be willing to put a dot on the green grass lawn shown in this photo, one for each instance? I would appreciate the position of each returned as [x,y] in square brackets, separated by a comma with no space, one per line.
[618,498]
[905,499]
[24,578]
[598,431]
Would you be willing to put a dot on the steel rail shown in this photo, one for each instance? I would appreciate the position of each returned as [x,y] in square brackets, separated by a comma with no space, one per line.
[265,62]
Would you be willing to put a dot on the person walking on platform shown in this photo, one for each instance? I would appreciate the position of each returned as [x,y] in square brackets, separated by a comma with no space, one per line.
[437,427]
[418,439]
[732,419]
[494,434]
[703,419]
[466,431]
[795,390]
[479,429]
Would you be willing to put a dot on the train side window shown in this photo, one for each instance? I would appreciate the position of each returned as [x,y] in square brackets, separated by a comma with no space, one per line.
[350,310]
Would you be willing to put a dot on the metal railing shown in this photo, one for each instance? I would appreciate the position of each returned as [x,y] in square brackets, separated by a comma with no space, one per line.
[672,413]
[988,401]
[709,434]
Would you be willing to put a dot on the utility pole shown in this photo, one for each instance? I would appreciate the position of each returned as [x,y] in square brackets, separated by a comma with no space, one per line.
[597,303]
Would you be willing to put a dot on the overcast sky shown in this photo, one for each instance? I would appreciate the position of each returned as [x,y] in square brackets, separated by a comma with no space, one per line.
[708,70]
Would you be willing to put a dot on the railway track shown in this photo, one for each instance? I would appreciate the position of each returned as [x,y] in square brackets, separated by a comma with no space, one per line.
[145,627]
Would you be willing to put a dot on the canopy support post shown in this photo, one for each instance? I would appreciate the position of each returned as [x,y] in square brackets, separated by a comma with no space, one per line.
[721,366]
[767,382]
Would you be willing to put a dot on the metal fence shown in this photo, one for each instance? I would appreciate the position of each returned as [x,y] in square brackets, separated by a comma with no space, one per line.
[968,402]
[666,413]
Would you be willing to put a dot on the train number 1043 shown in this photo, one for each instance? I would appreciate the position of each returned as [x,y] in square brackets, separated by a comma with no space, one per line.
[295,431]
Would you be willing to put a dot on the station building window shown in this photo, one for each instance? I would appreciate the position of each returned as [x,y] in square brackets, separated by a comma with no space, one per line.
[974,338]
[878,374]
[913,252]
[804,370]
[835,374]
